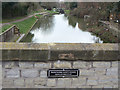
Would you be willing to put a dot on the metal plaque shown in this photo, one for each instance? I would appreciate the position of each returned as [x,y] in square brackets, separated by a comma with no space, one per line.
[63,73]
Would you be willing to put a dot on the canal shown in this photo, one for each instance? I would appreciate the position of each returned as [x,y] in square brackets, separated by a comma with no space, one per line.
[59,29]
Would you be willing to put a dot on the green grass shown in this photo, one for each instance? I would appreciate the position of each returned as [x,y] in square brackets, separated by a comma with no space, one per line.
[12,19]
[25,25]
[51,12]
[5,27]
[39,16]
[67,11]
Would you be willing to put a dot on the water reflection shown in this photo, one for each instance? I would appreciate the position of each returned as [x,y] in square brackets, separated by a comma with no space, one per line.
[45,25]
[72,21]
[61,29]
[28,38]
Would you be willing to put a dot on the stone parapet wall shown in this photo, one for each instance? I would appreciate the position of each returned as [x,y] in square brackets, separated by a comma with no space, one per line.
[53,51]
[93,74]
[25,65]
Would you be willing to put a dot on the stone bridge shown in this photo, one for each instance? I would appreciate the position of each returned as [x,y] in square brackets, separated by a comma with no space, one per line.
[25,65]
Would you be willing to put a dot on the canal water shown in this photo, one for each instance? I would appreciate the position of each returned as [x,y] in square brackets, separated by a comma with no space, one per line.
[59,29]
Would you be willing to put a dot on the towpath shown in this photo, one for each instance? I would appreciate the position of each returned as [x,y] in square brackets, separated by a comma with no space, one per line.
[19,20]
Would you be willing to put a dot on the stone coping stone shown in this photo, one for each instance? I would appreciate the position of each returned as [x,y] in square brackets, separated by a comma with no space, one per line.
[58,51]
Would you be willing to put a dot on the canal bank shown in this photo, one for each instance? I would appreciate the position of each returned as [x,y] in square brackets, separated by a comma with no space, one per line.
[104,31]
[108,31]
[23,27]
[25,24]
[27,32]
[38,16]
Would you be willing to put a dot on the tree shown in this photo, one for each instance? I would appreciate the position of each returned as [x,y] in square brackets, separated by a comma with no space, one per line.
[73,5]
[49,5]
[15,9]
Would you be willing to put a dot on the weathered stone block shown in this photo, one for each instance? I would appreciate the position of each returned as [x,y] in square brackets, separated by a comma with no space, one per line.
[13,54]
[13,73]
[51,82]
[67,82]
[70,53]
[92,81]
[43,74]
[82,64]
[101,64]
[66,56]
[60,82]
[115,86]
[9,65]
[42,65]
[112,71]
[29,73]
[64,82]
[78,81]
[40,81]
[29,83]
[39,55]
[111,55]
[89,64]
[85,72]
[7,83]
[114,80]
[104,80]
[82,81]
[26,64]
[115,64]
[62,64]
[5,55]
[19,82]
[100,71]
[34,55]
[79,64]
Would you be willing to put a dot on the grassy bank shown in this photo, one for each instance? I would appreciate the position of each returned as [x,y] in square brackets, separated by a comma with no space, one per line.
[5,27]
[39,16]
[100,30]
[25,25]
[67,11]
[52,12]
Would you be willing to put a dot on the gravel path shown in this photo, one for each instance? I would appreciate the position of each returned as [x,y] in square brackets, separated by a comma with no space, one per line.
[23,19]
